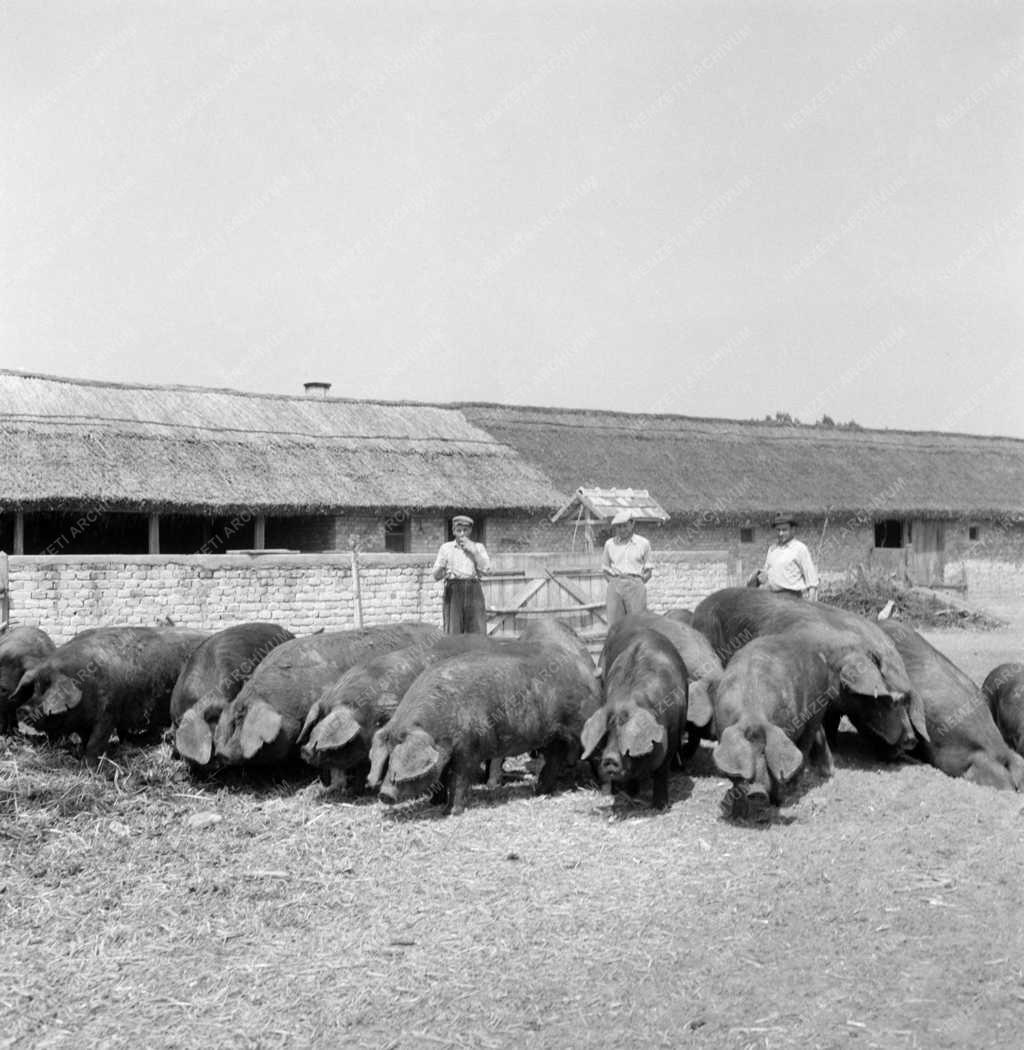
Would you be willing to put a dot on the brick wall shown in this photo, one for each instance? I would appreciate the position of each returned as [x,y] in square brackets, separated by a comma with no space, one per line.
[65,595]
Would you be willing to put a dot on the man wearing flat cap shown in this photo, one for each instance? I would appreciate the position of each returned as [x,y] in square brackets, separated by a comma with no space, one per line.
[627,566]
[460,563]
[788,568]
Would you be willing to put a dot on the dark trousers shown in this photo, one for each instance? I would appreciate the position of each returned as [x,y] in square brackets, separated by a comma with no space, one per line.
[463,607]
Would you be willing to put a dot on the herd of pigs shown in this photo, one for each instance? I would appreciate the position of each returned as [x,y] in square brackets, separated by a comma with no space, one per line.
[407,711]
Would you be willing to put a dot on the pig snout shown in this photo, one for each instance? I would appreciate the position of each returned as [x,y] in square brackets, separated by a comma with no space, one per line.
[388,795]
[611,764]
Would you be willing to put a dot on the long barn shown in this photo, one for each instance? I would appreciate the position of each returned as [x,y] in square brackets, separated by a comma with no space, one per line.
[105,468]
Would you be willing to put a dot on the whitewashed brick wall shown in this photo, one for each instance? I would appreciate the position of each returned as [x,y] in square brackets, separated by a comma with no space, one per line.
[65,595]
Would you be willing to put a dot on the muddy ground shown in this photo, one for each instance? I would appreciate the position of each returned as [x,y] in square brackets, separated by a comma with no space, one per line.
[882,909]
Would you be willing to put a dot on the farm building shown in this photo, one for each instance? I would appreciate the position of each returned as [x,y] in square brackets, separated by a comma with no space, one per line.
[104,468]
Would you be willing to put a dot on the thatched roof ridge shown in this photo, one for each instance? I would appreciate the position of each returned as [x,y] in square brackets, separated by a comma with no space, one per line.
[740,469]
[68,442]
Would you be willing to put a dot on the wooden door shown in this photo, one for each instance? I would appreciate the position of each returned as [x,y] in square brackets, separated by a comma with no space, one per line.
[926,553]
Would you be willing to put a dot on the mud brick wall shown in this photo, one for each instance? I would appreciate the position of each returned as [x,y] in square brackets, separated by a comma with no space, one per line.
[65,595]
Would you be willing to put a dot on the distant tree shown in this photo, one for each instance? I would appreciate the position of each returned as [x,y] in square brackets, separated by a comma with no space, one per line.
[826,421]
[851,424]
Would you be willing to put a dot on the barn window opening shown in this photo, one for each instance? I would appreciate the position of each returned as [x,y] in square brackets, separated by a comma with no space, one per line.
[973,532]
[396,534]
[890,533]
[746,535]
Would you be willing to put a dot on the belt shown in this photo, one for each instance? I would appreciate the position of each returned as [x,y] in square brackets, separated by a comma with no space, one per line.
[463,579]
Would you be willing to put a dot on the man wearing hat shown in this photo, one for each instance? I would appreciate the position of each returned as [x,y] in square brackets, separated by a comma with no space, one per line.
[627,566]
[788,568]
[460,563]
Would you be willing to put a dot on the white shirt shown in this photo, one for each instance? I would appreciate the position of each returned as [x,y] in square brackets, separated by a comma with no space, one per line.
[629,558]
[789,567]
[458,565]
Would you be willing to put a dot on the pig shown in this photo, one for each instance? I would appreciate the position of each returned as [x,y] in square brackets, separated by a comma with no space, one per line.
[21,649]
[338,729]
[680,615]
[964,740]
[212,678]
[1004,691]
[485,704]
[104,680]
[893,721]
[638,730]
[703,667]
[262,724]
[770,705]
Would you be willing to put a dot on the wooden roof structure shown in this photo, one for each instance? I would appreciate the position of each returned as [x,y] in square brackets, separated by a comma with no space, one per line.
[598,506]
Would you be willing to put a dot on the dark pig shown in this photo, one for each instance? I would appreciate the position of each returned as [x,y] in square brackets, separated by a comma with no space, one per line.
[639,728]
[338,729]
[769,708]
[212,678]
[894,719]
[964,740]
[482,705]
[1004,691]
[21,649]
[262,723]
[106,680]
[703,667]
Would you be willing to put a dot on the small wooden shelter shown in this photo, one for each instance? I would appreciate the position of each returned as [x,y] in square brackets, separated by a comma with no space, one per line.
[590,506]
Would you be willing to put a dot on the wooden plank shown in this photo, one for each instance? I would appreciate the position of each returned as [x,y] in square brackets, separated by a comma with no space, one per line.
[523,599]
[579,597]
[5,592]
[519,610]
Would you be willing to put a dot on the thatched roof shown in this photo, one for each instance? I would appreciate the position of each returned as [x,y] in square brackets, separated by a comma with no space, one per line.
[736,469]
[68,442]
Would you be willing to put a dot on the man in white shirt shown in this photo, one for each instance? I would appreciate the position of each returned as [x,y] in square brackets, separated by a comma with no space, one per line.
[627,566]
[788,568]
[460,563]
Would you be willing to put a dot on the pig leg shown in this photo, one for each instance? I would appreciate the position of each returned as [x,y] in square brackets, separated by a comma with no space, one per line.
[356,782]
[99,737]
[494,771]
[441,792]
[831,726]
[461,780]
[820,755]
[659,797]
[554,763]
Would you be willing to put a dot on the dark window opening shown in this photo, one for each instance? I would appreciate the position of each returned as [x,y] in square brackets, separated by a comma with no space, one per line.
[396,534]
[86,531]
[746,535]
[199,534]
[973,532]
[889,533]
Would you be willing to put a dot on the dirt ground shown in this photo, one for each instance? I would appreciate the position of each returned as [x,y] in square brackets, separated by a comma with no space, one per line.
[882,909]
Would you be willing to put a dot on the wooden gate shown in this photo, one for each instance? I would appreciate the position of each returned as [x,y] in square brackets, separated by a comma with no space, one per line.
[521,587]
[926,553]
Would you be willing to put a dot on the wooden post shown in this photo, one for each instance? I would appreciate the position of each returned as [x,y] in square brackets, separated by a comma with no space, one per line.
[259,533]
[357,598]
[154,534]
[19,532]
[5,594]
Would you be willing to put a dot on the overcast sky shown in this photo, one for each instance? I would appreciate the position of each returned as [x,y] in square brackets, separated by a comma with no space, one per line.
[719,209]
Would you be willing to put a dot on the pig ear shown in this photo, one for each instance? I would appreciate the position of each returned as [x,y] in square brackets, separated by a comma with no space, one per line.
[733,754]
[698,710]
[194,737]
[314,716]
[335,731]
[915,709]
[260,726]
[782,756]
[414,758]
[62,696]
[594,730]
[23,690]
[640,734]
[378,757]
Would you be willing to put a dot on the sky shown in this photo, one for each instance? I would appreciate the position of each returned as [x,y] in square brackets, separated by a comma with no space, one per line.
[718,209]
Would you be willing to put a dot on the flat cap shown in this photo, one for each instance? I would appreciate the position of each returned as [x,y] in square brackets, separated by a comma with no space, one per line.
[783,519]
[623,517]
[462,519]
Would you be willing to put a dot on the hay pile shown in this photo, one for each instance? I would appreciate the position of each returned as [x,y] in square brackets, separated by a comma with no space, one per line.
[920,607]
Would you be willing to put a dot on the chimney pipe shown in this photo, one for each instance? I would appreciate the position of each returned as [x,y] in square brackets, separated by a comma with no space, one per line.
[317,389]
